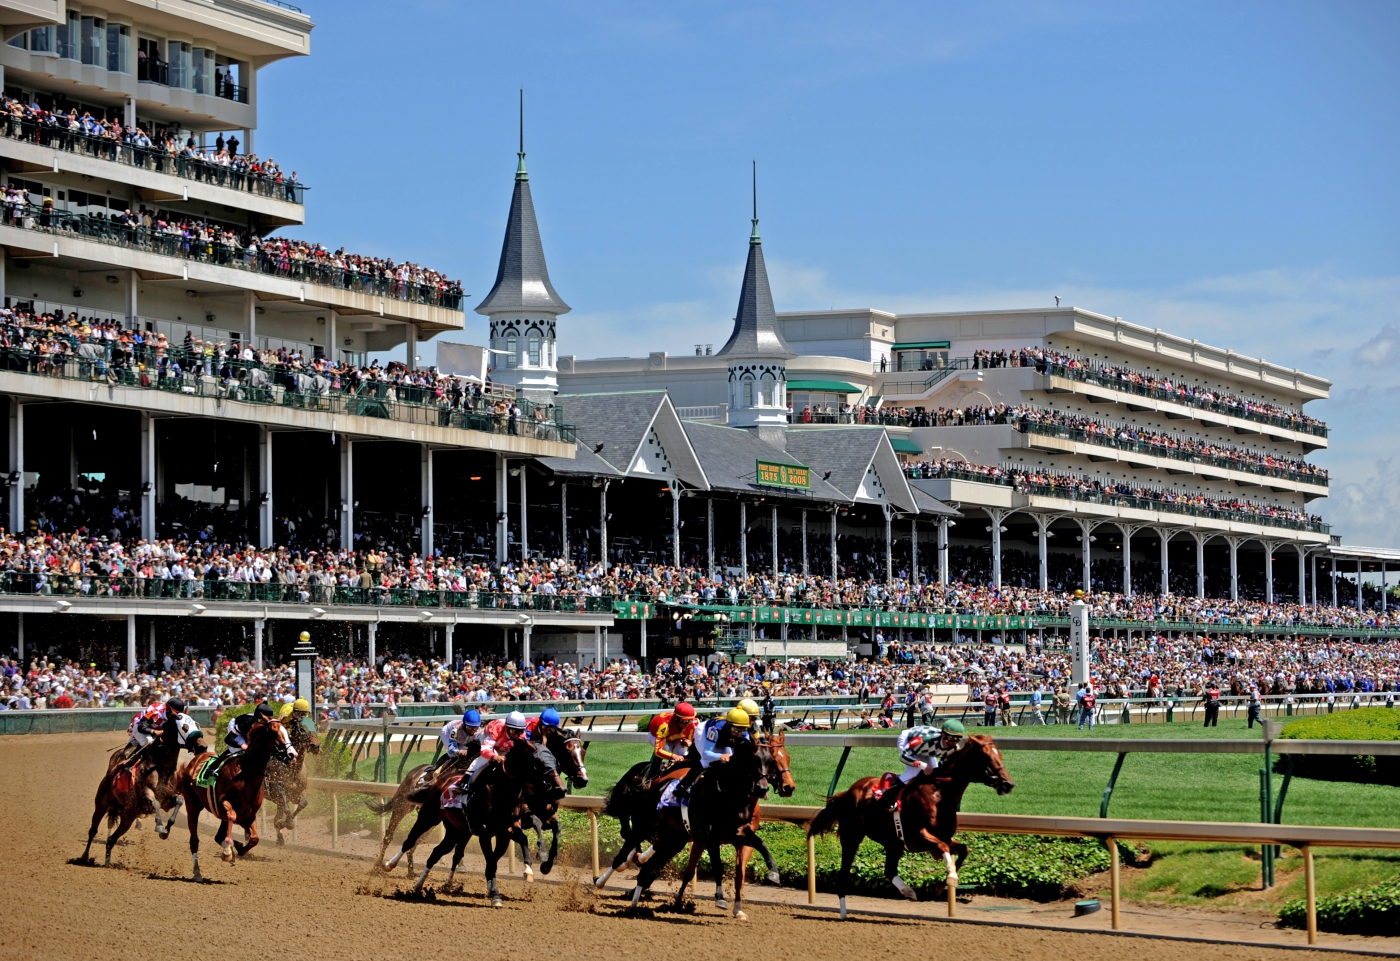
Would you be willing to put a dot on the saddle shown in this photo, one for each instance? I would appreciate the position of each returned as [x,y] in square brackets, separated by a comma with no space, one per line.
[208,774]
[124,781]
[888,782]
[450,797]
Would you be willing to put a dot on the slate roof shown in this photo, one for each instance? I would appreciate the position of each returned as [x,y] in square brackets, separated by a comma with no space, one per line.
[756,331]
[617,421]
[932,505]
[845,452]
[728,456]
[584,462]
[522,279]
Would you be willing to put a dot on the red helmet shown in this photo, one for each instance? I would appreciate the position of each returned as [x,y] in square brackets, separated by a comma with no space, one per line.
[684,711]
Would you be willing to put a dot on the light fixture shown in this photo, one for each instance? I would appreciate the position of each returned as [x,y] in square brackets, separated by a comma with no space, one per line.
[197,608]
[477,477]
[515,472]
[61,606]
[521,619]
[428,615]
[318,612]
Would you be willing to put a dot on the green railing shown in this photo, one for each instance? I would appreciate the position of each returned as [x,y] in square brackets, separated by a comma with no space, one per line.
[178,244]
[151,158]
[96,363]
[1081,436]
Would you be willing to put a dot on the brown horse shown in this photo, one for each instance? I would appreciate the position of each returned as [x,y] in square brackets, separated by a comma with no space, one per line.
[129,791]
[746,841]
[286,783]
[919,816]
[237,794]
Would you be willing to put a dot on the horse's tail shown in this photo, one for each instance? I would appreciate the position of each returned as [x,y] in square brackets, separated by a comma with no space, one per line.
[618,803]
[380,807]
[837,807]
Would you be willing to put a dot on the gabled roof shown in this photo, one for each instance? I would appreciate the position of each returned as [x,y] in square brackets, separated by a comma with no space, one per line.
[729,457]
[624,424]
[584,462]
[522,280]
[851,453]
[756,332]
[931,505]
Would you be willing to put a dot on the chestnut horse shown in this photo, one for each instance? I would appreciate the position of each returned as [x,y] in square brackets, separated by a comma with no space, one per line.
[129,791]
[286,782]
[919,816]
[237,794]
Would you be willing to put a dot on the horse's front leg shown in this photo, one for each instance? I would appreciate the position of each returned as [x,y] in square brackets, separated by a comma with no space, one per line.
[946,850]
[691,864]
[493,849]
[741,860]
[892,856]
[192,819]
[753,840]
[548,863]
[518,836]
[717,865]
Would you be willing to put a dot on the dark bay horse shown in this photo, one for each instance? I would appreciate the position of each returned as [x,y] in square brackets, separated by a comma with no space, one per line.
[129,791]
[492,812]
[237,794]
[921,816]
[747,840]
[286,782]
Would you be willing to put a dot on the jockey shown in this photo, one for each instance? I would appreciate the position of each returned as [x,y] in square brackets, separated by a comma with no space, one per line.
[922,749]
[294,712]
[460,739]
[500,732]
[717,739]
[537,728]
[671,737]
[751,708]
[238,728]
[167,721]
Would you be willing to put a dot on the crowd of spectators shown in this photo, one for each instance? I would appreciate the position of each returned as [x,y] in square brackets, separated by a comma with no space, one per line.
[1083,487]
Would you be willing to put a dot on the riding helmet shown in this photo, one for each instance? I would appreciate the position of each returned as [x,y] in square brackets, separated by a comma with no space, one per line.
[472,718]
[262,710]
[176,704]
[749,706]
[954,726]
[515,720]
[301,706]
[738,717]
[549,717]
[684,711]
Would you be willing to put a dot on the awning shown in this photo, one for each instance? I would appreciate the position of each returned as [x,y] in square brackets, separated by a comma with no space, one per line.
[923,345]
[830,386]
[903,445]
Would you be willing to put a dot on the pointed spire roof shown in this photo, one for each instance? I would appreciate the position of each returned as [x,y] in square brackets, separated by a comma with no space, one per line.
[522,279]
[756,332]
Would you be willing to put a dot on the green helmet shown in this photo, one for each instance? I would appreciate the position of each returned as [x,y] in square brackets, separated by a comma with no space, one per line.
[954,727]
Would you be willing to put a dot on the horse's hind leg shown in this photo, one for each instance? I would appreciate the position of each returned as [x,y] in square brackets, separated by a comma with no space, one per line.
[850,844]
[443,846]
[548,863]
[128,815]
[97,815]
[192,820]
[518,836]
[688,874]
[754,840]
[175,806]
[892,856]
[717,866]
[493,849]
[741,860]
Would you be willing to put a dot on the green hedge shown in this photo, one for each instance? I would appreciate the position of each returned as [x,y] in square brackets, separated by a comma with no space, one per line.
[1363,724]
[1374,910]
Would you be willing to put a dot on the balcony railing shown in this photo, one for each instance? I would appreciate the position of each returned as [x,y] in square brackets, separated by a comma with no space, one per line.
[1075,489]
[157,241]
[97,363]
[149,158]
[1298,422]
[1173,453]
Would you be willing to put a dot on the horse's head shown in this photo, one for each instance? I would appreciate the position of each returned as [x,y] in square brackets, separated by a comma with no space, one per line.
[273,737]
[752,765]
[569,749]
[303,738]
[979,760]
[535,767]
[781,764]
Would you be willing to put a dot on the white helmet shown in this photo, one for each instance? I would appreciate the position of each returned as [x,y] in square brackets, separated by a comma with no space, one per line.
[515,720]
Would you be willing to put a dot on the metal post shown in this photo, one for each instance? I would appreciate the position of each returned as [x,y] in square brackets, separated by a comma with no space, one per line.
[710,534]
[1268,570]
[525,645]
[603,523]
[804,542]
[447,656]
[1302,576]
[425,500]
[1234,568]
[152,658]
[347,493]
[675,524]
[16,466]
[148,476]
[914,549]
[373,632]
[1042,525]
[1127,531]
[773,526]
[889,548]
[743,540]
[943,551]
[834,575]
[597,648]
[502,509]
[564,516]
[1113,872]
[1312,562]
[264,486]
[524,513]
[1200,564]
[1164,539]
[1360,604]
[131,643]
[258,644]
[643,624]
[19,637]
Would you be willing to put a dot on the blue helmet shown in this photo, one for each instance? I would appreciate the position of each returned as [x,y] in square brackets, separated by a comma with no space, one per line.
[472,718]
[549,717]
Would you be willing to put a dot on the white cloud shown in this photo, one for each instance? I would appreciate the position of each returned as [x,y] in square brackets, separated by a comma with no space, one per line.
[1381,350]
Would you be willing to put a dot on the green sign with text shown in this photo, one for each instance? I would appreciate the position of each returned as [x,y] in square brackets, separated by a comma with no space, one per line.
[772,474]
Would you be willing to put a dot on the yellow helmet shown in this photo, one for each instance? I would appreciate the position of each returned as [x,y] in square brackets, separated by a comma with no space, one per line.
[305,636]
[738,717]
[285,711]
[301,706]
[749,706]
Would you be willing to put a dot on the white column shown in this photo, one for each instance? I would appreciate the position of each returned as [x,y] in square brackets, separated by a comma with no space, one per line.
[1200,540]
[675,528]
[835,576]
[1234,543]
[743,539]
[16,466]
[1128,531]
[373,641]
[597,648]
[1313,565]
[773,529]
[643,624]
[889,548]
[804,542]
[603,522]
[710,533]
[152,641]
[564,515]
[997,516]
[250,316]
[447,651]
[148,476]
[347,493]
[1332,563]
[133,313]
[1042,530]
[19,637]
[264,486]
[524,512]
[1302,576]
[914,549]
[1086,544]
[258,627]
[505,642]
[129,112]
[1269,569]
[1164,540]
[410,344]
[425,500]
[332,337]
[783,629]
[1360,602]
[502,507]
[525,645]
[131,643]
[943,523]
[1383,600]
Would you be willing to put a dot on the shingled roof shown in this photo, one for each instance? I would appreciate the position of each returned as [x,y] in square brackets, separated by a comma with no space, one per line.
[730,456]
[522,279]
[756,332]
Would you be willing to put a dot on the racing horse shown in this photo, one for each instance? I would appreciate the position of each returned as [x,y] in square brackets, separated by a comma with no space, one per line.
[492,810]
[722,802]
[919,816]
[131,790]
[286,782]
[747,839]
[237,794]
[542,808]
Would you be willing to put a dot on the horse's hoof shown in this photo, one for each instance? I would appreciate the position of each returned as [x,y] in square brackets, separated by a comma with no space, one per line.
[497,902]
[226,854]
[774,877]
[740,916]
[529,876]
[281,842]
[952,880]
[722,904]
[546,867]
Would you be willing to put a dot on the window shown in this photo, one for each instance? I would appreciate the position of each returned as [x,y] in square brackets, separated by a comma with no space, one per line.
[119,47]
[19,41]
[203,79]
[180,55]
[534,351]
[68,33]
[41,40]
[748,393]
[512,359]
[150,66]
[94,48]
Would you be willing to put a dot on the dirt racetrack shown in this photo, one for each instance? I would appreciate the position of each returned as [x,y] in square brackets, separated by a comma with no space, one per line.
[279,903]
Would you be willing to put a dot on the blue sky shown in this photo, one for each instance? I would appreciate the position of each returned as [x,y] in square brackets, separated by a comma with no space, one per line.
[1222,171]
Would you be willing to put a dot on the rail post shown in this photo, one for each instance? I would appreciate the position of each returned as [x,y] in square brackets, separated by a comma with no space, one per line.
[952,886]
[1113,877]
[593,840]
[811,866]
[1310,887]
[335,820]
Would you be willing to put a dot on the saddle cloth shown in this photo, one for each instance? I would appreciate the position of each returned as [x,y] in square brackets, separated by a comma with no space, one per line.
[124,781]
[887,782]
[208,774]
[671,796]
[451,798]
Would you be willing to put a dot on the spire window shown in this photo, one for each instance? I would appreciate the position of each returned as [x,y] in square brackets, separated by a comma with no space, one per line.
[512,345]
[534,343]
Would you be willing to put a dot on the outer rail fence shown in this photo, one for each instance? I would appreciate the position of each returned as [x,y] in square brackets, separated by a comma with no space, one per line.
[1302,837]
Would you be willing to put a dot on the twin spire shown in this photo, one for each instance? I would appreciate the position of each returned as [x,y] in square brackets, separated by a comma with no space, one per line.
[756,332]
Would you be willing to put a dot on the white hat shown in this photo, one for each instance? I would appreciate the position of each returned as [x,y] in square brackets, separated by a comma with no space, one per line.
[515,720]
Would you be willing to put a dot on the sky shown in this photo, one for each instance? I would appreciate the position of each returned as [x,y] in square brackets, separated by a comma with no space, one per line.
[1223,171]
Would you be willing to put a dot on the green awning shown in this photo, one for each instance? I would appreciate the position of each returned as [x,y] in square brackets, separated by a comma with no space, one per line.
[903,445]
[924,345]
[830,386]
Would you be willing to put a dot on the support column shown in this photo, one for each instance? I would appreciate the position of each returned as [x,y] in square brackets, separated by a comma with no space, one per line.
[597,648]
[133,314]
[1086,542]
[258,627]
[505,643]
[525,661]
[1302,576]
[804,542]
[835,576]
[332,338]
[148,476]
[524,512]
[425,499]
[151,642]
[373,632]
[889,548]
[1312,562]
[250,316]
[131,643]
[1269,547]
[710,534]
[943,523]
[19,638]
[1128,530]
[773,528]
[502,506]
[447,652]
[1042,530]
[16,463]
[643,649]
[129,112]
[1360,602]
[564,515]
[675,526]
[603,522]
[1332,565]
[410,343]
[1235,543]
[1164,540]
[743,539]
[264,486]
[1383,600]
[913,549]
[1200,540]
[997,515]
[347,493]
